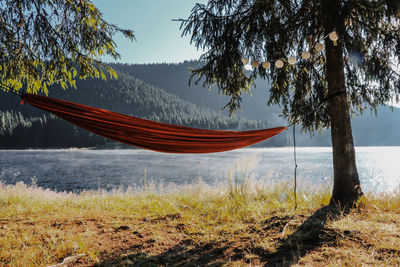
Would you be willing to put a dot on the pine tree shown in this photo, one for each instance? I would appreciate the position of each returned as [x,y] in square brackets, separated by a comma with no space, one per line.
[54,41]
[356,70]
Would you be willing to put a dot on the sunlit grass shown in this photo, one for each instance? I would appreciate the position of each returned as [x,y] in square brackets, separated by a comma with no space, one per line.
[40,227]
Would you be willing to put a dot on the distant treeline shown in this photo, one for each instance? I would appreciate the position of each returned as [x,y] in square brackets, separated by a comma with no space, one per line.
[46,131]
[27,127]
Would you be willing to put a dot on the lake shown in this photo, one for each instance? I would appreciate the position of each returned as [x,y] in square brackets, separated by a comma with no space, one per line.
[77,170]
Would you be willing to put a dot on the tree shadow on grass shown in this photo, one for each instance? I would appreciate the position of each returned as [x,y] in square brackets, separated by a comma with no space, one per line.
[310,235]
[186,253]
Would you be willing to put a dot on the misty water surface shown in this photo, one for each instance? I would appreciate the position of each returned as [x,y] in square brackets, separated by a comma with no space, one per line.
[77,170]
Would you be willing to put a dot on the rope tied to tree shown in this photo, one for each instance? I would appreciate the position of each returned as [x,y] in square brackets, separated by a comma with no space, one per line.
[295,167]
[294,139]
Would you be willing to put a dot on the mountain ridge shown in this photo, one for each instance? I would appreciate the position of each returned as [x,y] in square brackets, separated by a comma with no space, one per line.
[26,127]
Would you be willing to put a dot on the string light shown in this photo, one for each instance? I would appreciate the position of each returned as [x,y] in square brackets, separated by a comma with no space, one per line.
[279,63]
[319,47]
[255,63]
[292,60]
[305,55]
[333,36]
[266,65]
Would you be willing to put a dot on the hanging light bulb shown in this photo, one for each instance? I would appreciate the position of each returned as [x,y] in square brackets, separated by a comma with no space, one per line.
[255,63]
[319,47]
[279,63]
[306,55]
[292,60]
[245,61]
[333,36]
[266,65]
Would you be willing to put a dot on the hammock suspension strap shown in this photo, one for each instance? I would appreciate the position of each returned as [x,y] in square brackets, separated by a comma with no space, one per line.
[294,139]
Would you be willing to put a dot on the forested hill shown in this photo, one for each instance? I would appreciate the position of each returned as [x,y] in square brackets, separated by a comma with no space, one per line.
[25,126]
[174,78]
[368,129]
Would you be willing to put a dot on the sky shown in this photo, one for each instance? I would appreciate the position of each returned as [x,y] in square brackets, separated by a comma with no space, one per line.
[158,39]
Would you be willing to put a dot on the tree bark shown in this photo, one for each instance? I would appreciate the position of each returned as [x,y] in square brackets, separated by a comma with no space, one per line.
[346,184]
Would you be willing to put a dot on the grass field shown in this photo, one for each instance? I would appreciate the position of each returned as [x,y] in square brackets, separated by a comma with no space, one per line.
[195,225]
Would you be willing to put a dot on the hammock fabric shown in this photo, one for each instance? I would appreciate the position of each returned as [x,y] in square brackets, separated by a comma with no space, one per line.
[157,136]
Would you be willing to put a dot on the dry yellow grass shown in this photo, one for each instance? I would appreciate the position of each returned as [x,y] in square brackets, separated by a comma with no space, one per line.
[235,225]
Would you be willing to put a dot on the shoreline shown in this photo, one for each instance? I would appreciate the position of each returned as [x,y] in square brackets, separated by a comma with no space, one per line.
[140,149]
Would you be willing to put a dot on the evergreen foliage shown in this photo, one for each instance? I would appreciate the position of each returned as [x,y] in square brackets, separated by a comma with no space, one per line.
[53,41]
[231,29]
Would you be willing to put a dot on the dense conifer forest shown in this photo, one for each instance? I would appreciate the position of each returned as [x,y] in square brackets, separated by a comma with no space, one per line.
[27,127]
[161,92]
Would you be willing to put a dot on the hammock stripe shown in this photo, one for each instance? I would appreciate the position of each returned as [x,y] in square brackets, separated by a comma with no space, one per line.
[157,136]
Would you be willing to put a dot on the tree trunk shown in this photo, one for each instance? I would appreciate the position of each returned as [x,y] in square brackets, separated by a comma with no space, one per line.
[346,184]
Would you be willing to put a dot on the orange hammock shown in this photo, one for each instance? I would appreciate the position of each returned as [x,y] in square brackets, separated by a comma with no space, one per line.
[147,134]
